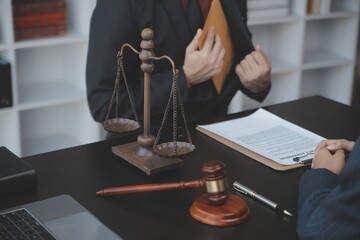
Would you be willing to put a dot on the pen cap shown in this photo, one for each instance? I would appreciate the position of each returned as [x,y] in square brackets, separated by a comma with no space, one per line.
[215,182]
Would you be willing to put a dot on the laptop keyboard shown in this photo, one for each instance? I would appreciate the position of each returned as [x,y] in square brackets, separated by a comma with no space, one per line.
[20,225]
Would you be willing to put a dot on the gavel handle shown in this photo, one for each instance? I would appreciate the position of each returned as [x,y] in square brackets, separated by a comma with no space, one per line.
[150,187]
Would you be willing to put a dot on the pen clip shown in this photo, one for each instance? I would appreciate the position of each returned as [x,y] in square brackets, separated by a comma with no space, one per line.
[297,159]
[306,161]
[237,189]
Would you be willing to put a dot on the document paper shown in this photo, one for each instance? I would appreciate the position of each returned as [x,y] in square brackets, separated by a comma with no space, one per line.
[268,135]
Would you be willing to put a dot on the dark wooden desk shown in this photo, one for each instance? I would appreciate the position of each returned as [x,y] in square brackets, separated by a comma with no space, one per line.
[80,171]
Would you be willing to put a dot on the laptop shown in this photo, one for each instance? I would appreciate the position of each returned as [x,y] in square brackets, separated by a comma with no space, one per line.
[60,217]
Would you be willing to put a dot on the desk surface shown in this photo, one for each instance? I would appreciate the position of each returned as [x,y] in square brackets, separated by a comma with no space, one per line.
[81,171]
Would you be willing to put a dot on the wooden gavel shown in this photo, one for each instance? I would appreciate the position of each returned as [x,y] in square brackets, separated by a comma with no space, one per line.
[215,207]
[214,181]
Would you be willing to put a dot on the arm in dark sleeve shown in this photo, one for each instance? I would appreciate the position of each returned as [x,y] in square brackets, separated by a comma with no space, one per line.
[329,205]
[256,96]
[242,41]
[112,25]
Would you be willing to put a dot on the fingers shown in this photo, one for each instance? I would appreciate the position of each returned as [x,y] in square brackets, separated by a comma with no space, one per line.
[324,159]
[336,144]
[261,56]
[258,58]
[321,145]
[193,46]
[341,144]
[245,67]
[320,156]
[202,65]
[217,49]
[220,59]
[340,154]
[209,41]
[240,71]
[254,71]
[215,55]
[251,62]
[254,61]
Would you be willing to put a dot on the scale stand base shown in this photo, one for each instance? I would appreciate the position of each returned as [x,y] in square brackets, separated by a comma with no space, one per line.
[233,211]
[151,163]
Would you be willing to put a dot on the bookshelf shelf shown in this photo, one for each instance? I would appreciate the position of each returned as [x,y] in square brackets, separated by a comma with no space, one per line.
[51,41]
[288,19]
[48,79]
[320,59]
[48,94]
[55,141]
[3,47]
[56,126]
[334,14]
[332,82]
[311,54]
[279,66]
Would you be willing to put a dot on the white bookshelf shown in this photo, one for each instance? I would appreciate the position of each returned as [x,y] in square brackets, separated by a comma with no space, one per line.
[50,110]
[311,54]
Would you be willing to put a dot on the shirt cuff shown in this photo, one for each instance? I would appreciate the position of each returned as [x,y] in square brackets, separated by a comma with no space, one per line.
[262,93]
[260,96]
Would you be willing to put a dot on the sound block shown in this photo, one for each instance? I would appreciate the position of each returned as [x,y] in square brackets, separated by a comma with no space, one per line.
[233,212]
[150,163]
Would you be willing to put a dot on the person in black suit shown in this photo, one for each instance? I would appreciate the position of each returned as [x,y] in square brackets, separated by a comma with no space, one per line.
[329,194]
[115,22]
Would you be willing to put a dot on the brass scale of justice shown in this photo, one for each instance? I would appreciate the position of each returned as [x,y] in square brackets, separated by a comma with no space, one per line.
[216,207]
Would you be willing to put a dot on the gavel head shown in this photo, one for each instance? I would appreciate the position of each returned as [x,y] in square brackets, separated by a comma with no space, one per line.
[215,182]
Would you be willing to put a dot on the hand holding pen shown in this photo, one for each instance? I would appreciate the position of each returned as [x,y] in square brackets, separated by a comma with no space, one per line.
[245,190]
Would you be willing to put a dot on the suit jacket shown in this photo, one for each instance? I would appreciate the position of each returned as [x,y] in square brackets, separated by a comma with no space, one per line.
[115,22]
[329,205]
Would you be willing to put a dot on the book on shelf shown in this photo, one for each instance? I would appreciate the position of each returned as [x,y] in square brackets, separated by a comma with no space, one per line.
[318,7]
[6,99]
[21,8]
[325,7]
[38,32]
[260,9]
[266,4]
[39,18]
[268,13]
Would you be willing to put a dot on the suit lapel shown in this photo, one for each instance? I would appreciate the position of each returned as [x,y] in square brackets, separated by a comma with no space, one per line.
[240,35]
[142,11]
[239,32]
[179,20]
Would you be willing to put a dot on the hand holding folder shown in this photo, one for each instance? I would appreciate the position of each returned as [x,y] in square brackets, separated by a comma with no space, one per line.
[216,18]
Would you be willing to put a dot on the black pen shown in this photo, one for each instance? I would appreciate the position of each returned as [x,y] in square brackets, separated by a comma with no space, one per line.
[243,189]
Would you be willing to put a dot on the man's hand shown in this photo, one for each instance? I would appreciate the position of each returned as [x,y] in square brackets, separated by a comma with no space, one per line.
[336,144]
[324,158]
[201,65]
[332,162]
[254,71]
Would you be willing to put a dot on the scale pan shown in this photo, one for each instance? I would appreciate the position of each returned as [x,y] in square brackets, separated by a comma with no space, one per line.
[120,125]
[168,149]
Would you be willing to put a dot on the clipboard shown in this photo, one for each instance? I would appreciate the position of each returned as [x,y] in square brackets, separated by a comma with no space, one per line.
[257,157]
